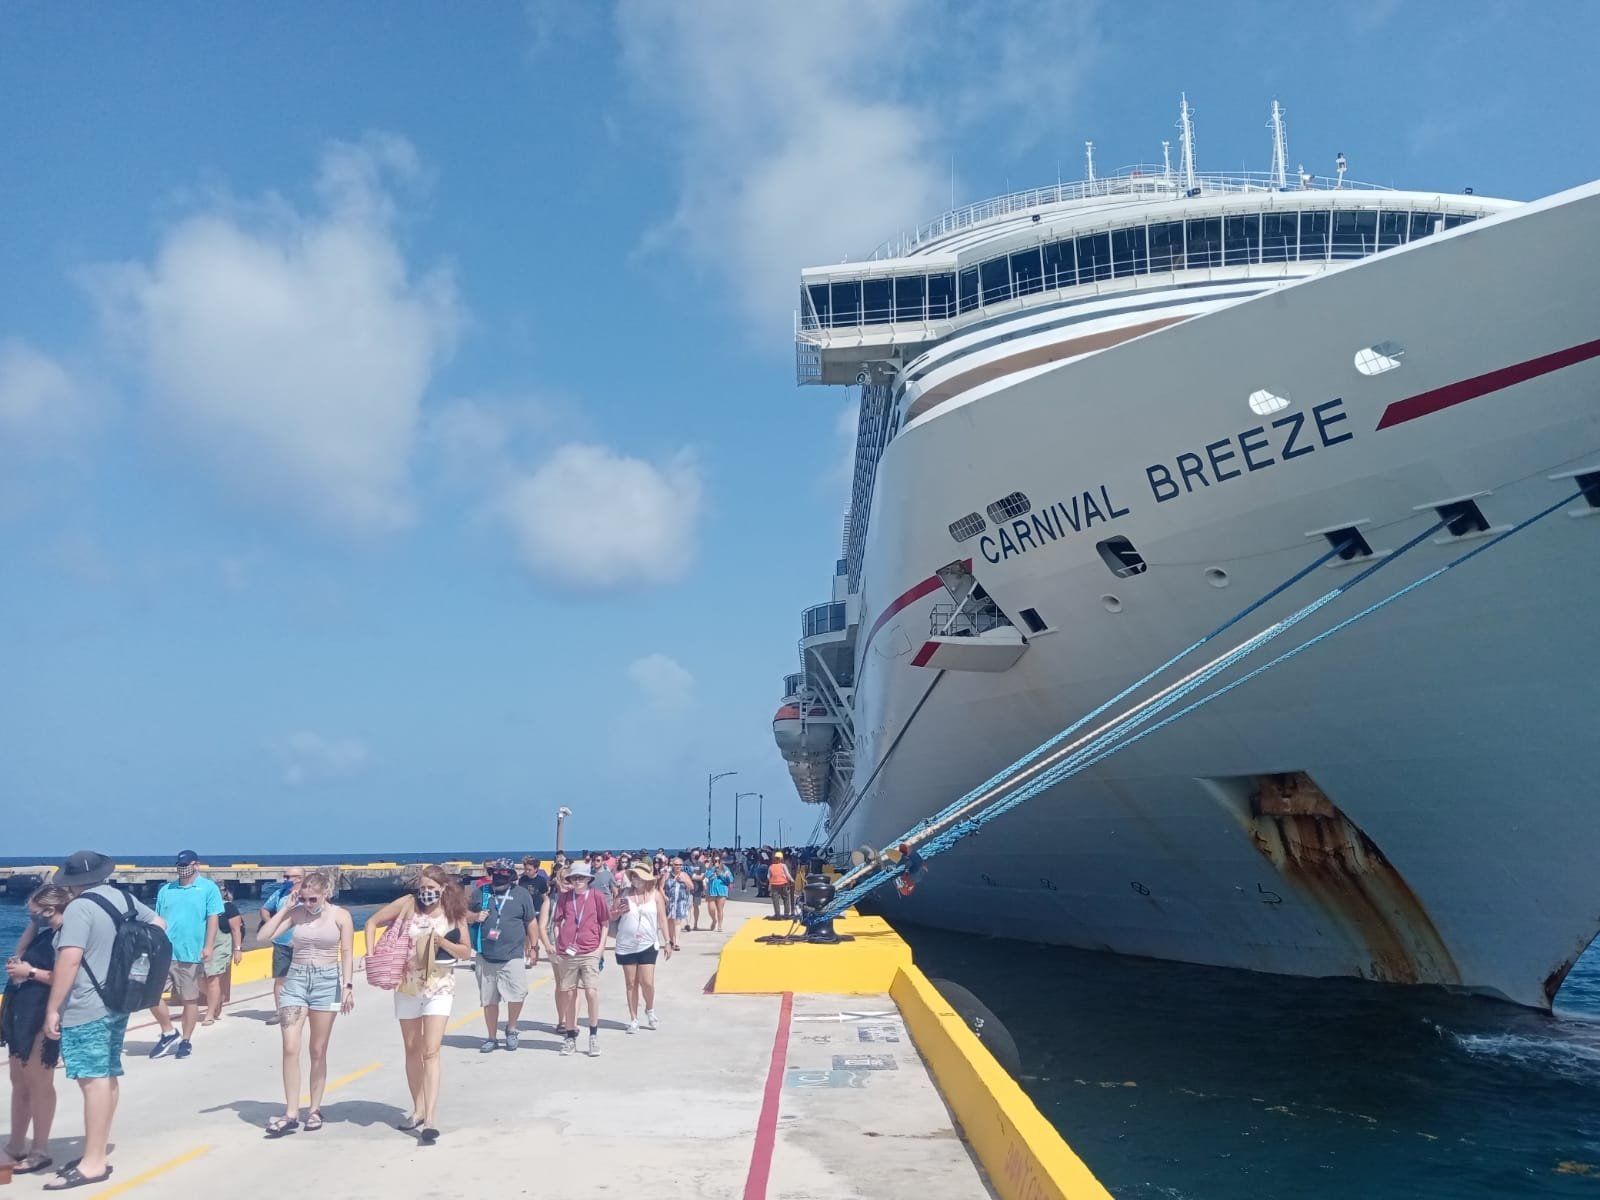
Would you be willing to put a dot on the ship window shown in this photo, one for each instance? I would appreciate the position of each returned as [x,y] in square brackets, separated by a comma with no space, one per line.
[996,278]
[877,301]
[1034,622]
[1423,224]
[1313,235]
[1010,506]
[1380,357]
[1166,246]
[1451,220]
[1026,272]
[941,296]
[1094,257]
[909,293]
[1241,241]
[1462,517]
[1355,234]
[1392,228]
[1121,558]
[846,299]
[1205,242]
[1060,265]
[1264,402]
[969,526]
[1280,234]
[969,289]
[1128,254]
[819,302]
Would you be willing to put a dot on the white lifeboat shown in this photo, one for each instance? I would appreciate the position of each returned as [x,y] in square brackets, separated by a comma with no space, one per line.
[803,731]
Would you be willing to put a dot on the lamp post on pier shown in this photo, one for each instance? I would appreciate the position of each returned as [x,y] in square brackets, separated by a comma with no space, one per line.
[711,779]
[738,796]
[562,814]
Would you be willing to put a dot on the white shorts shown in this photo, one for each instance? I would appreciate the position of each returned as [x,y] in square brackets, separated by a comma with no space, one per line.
[410,1007]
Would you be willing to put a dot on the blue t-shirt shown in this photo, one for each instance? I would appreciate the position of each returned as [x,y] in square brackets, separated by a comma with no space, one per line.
[717,882]
[272,904]
[185,910]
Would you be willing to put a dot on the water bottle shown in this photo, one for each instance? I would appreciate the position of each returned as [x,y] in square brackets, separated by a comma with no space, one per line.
[140,971]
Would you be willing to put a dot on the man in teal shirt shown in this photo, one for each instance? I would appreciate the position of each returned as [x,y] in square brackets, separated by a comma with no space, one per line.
[190,905]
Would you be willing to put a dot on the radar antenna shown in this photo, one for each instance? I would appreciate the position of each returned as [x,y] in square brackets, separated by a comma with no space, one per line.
[1186,141]
[1088,153]
[1280,149]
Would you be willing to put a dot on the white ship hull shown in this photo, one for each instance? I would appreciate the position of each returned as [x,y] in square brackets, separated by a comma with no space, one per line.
[1455,729]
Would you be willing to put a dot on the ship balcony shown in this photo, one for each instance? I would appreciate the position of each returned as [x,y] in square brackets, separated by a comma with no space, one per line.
[825,624]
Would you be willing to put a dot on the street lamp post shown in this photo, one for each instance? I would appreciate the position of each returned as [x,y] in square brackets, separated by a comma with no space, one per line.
[711,779]
[761,817]
[738,796]
[562,814]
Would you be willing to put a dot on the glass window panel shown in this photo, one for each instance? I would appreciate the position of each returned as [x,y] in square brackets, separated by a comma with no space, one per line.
[909,293]
[1205,242]
[1166,246]
[1451,220]
[1422,224]
[995,276]
[846,298]
[1027,273]
[941,296]
[1128,255]
[1280,236]
[1060,265]
[877,301]
[1094,257]
[1355,233]
[969,289]
[1241,239]
[1392,227]
[819,303]
[1314,235]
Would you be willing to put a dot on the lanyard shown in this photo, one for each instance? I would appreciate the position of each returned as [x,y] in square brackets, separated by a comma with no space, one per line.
[499,908]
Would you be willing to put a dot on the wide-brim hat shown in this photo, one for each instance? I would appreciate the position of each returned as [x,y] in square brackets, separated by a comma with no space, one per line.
[642,874]
[84,868]
[580,870]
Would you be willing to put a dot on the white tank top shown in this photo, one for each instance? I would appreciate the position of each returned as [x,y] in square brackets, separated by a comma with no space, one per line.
[636,929]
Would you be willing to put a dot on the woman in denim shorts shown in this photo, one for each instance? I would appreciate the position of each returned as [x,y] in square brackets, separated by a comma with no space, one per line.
[317,988]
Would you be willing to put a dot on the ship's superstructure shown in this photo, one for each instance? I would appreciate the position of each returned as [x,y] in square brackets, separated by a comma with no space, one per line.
[1092,416]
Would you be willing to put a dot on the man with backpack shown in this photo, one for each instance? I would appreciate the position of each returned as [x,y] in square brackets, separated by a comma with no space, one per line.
[111,953]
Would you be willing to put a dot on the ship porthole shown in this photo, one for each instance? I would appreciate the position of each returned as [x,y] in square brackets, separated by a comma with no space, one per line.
[1216,577]
[1111,603]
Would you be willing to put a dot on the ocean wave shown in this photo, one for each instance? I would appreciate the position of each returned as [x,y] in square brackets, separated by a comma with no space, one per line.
[1573,1054]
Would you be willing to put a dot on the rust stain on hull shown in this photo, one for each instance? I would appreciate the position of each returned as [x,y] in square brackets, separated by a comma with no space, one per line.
[1331,861]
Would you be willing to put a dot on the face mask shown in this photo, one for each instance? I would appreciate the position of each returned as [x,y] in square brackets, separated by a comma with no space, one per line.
[314,908]
[500,883]
[186,872]
[428,897]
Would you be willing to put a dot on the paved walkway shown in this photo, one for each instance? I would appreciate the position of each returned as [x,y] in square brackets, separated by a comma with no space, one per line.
[734,1096]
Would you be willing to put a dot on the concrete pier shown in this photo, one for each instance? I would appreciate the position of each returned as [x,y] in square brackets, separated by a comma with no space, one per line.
[753,1095]
[380,880]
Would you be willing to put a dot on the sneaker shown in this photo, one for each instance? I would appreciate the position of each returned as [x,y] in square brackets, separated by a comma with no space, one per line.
[185,1049]
[488,1046]
[165,1044]
[650,1019]
[633,1026]
[594,1045]
[511,1038]
[569,1045]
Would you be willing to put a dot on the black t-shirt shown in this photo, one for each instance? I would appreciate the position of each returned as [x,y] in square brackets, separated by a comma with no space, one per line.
[537,886]
[225,921]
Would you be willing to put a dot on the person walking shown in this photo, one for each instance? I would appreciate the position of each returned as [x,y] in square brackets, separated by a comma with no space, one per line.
[560,886]
[191,905]
[320,985]
[780,885]
[33,1056]
[435,915]
[225,954]
[676,887]
[577,953]
[508,921]
[90,1034]
[697,893]
[282,945]
[719,880]
[640,912]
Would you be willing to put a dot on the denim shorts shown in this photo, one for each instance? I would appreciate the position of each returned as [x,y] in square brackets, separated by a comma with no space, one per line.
[93,1050]
[316,988]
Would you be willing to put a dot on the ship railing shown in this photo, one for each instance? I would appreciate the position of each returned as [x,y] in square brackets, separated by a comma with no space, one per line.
[965,624]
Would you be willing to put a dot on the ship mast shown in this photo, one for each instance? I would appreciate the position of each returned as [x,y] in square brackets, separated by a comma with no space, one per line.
[1280,149]
[1088,154]
[1186,142]
[1166,162]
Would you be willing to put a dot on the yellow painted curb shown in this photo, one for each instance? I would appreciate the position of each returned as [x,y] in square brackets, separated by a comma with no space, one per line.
[863,967]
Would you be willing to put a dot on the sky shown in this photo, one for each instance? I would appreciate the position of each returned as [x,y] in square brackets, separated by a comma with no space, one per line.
[398,427]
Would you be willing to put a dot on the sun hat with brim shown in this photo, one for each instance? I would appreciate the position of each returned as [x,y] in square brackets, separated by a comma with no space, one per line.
[579,870]
[83,868]
[642,874]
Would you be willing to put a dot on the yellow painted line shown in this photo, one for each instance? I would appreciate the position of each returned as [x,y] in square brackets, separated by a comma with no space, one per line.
[342,1080]
[127,1185]
[478,1012]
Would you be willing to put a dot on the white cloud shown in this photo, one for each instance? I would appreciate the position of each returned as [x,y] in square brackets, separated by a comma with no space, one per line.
[665,684]
[43,409]
[590,517]
[290,350]
[311,758]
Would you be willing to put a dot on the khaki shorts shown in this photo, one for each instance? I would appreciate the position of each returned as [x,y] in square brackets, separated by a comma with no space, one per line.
[499,981]
[183,981]
[577,971]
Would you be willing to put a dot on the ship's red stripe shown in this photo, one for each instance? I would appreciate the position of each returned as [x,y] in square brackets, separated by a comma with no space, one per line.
[910,596]
[1452,394]
[925,655]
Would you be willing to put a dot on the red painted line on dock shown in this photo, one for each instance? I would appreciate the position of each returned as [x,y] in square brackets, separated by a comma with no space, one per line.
[755,1183]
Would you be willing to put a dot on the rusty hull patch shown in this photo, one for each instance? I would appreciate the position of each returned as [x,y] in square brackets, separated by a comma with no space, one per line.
[1331,861]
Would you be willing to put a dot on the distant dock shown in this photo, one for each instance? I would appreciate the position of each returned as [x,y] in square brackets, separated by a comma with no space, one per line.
[379,880]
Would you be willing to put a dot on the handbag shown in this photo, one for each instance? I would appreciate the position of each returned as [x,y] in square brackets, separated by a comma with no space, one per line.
[387,961]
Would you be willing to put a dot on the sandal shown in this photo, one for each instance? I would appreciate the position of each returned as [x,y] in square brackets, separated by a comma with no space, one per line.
[313,1120]
[30,1164]
[279,1126]
[428,1136]
[70,1177]
[409,1125]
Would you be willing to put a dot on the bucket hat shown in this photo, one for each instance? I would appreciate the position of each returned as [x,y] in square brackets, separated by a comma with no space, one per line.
[83,868]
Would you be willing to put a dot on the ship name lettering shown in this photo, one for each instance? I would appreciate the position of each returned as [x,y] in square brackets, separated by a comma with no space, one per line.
[1289,437]
[1050,524]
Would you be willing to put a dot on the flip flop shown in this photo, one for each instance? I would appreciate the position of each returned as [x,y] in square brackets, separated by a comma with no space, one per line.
[74,1178]
[280,1126]
[313,1120]
[30,1164]
[428,1137]
[409,1125]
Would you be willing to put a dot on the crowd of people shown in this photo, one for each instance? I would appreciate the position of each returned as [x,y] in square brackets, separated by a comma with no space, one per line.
[89,946]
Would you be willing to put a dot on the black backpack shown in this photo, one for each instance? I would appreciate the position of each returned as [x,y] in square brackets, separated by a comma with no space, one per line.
[141,956]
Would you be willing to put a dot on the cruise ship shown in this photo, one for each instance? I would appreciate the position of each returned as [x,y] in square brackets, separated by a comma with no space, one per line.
[1100,419]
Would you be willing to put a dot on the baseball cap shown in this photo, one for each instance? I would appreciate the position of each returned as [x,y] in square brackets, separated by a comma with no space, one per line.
[187,858]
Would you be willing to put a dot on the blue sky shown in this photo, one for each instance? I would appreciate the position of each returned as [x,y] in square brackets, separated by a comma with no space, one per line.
[398,434]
